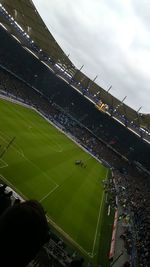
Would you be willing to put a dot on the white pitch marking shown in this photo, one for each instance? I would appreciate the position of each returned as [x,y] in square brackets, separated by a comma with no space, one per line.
[60,230]
[95,237]
[12,186]
[47,195]
[4,164]
[26,158]
[60,149]
[47,176]
[19,150]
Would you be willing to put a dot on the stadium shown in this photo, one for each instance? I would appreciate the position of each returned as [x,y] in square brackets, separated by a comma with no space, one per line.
[72,146]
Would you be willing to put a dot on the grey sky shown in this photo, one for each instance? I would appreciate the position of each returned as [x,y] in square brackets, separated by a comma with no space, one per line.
[111,38]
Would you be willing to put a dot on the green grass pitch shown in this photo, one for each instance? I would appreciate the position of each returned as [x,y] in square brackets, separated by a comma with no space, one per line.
[40,165]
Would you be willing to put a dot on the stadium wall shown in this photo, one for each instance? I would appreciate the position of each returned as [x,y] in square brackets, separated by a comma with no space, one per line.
[57,125]
[31,70]
[113,239]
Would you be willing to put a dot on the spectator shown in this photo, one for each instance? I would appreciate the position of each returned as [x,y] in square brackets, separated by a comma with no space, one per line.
[126,264]
[77,263]
[23,231]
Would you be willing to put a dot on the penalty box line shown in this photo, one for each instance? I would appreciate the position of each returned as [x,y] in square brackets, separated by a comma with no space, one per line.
[48,217]
[43,172]
[89,254]
[21,153]
[4,164]
[36,166]
[49,193]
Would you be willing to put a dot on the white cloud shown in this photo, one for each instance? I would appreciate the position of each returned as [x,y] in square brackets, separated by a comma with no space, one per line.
[110,37]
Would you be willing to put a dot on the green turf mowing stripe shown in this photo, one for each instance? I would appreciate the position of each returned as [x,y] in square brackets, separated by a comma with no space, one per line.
[98,221]
[3,164]
[41,165]
[49,193]
[68,238]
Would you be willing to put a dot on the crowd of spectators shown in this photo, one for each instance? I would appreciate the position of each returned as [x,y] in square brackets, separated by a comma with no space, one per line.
[129,192]
[14,88]
[49,84]
[132,187]
[23,231]
[133,193]
[84,86]
[7,198]
[52,251]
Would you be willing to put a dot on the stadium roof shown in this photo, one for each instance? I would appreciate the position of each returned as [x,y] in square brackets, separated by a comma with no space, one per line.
[24,12]
[27,16]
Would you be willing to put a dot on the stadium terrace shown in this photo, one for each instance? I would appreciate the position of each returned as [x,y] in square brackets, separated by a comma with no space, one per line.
[80,153]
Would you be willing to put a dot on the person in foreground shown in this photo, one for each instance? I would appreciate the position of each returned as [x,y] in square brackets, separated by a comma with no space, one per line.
[23,231]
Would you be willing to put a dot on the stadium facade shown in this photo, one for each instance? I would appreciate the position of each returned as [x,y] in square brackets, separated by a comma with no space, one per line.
[44,66]
[40,64]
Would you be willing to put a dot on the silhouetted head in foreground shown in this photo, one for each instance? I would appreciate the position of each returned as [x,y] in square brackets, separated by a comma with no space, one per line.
[77,263]
[126,264]
[23,231]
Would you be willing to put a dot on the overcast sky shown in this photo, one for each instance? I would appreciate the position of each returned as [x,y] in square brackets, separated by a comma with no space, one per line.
[111,38]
